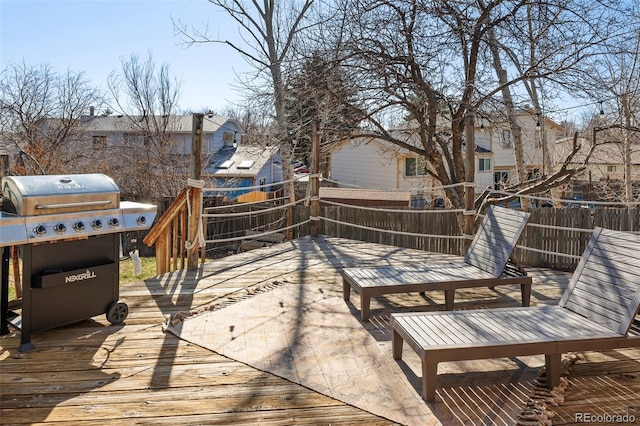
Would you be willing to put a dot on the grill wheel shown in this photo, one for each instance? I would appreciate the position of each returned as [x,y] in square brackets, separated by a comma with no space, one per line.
[117,312]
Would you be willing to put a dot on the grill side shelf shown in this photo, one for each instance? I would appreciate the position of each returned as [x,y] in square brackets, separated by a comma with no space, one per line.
[76,276]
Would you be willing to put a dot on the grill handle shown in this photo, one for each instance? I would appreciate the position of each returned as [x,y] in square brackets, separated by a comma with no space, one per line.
[67,205]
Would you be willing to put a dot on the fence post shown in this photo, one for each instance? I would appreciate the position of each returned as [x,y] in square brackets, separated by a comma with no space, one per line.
[470,171]
[315,180]
[195,193]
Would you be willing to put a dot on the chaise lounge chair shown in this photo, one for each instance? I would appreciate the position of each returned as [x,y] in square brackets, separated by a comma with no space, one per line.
[595,313]
[487,263]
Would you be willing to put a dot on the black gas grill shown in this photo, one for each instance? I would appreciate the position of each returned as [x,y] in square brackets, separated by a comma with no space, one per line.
[68,229]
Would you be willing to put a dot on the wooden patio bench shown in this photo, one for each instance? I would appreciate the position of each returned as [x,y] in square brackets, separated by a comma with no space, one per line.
[595,313]
[487,263]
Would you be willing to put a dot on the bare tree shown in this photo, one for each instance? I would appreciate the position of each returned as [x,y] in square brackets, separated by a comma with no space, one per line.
[41,118]
[438,63]
[422,60]
[548,45]
[270,30]
[613,83]
[147,96]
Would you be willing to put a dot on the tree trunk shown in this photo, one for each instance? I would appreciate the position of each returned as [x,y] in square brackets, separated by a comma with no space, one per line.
[628,188]
[516,130]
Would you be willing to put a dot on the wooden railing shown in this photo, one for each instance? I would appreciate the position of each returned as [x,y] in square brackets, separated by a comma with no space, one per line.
[554,238]
[169,234]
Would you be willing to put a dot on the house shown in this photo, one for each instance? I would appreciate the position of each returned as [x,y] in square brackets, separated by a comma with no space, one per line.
[6,153]
[243,166]
[375,163]
[149,156]
[227,160]
[126,131]
[494,134]
[603,178]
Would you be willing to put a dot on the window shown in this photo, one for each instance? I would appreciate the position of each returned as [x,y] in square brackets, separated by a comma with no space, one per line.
[262,183]
[611,169]
[500,179]
[225,164]
[131,139]
[506,139]
[533,173]
[246,164]
[414,167]
[484,164]
[229,139]
[99,142]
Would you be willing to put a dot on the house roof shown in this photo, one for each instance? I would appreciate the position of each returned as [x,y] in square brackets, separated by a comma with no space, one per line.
[364,194]
[244,161]
[123,123]
[605,152]
[399,134]
[527,113]
[481,149]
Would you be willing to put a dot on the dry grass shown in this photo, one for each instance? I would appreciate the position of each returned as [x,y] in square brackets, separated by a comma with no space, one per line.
[126,270]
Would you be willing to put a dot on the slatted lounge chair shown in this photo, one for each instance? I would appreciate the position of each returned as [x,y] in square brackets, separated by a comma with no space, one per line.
[487,263]
[595,313]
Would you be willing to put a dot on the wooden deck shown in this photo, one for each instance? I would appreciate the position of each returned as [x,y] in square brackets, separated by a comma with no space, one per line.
[134,373]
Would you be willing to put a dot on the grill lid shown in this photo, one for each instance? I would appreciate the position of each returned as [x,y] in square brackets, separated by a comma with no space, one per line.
[39,195]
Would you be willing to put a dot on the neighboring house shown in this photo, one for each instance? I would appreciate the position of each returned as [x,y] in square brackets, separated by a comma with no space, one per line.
[242,167]
[125,131]
[117,145]
[497,166]
[6,154]
[375,163]
[603,176]
[226,162]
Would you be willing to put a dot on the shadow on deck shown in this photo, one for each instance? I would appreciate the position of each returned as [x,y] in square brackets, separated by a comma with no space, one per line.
[94,372]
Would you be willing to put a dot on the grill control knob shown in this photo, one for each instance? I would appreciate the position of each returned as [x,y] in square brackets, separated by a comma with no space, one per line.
[78,226]
[141,220]
[40,230]
[60,228]
[113,222]
[96,224]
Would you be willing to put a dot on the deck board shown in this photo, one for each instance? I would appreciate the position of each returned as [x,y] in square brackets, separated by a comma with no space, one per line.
[92,372]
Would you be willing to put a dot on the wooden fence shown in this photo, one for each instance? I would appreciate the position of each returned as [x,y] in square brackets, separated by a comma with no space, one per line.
[561,231]
[259,217]
[554,238]
[403,225]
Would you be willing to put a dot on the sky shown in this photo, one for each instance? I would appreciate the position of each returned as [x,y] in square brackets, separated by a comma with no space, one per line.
[93,36]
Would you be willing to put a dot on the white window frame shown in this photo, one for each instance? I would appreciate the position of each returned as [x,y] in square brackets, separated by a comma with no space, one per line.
[499,184]
[419,167]
[482,164]
[507,140]
[533,173]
